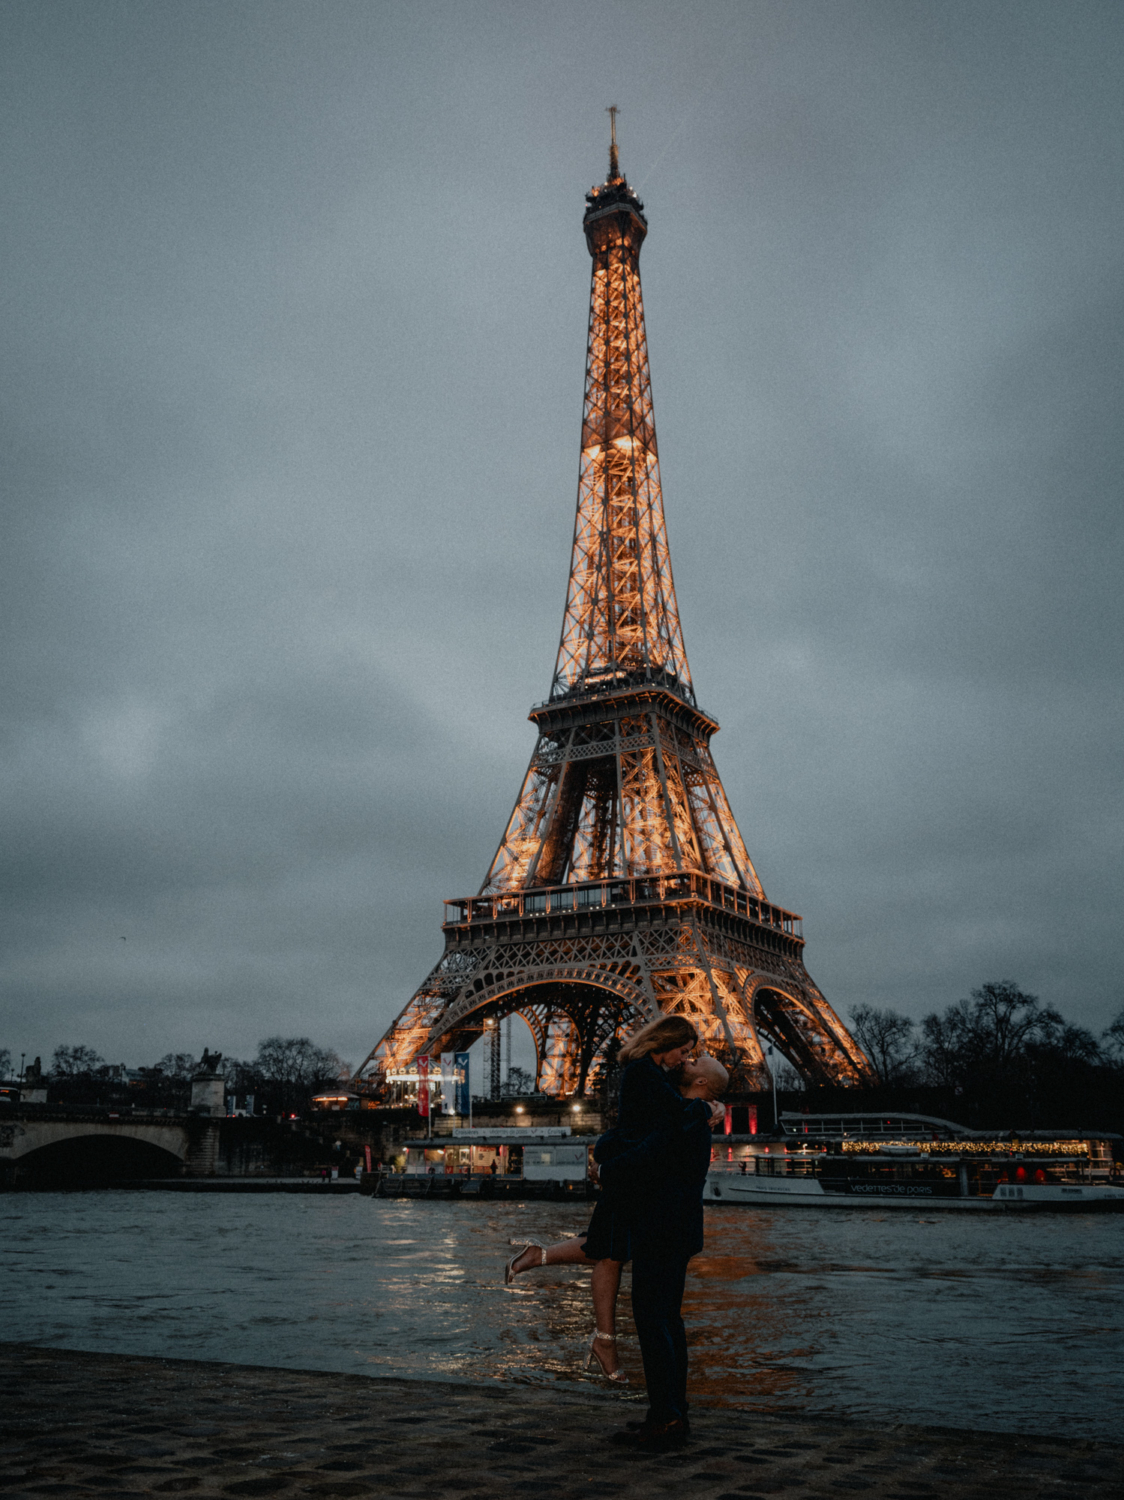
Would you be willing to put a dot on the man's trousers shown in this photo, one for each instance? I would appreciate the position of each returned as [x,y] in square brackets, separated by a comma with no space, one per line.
[658,1278]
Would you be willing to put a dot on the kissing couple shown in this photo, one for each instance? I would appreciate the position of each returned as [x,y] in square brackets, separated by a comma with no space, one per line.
[652,1167]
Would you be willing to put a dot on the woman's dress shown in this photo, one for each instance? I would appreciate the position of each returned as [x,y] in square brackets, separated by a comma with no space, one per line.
[649,1104]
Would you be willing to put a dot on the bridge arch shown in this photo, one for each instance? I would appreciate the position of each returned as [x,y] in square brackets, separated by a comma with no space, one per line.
[94,1159]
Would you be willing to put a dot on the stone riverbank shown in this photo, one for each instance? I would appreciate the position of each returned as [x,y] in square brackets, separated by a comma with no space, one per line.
[74,1424]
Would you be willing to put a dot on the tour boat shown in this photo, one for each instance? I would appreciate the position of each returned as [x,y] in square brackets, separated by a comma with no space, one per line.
[910,1161]
[523,1162]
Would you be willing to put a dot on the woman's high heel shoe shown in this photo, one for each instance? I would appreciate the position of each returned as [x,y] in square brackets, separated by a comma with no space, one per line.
[618,1375]
[509,1272]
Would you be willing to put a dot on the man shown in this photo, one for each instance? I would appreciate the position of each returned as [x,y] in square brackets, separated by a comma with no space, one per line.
[665,1175]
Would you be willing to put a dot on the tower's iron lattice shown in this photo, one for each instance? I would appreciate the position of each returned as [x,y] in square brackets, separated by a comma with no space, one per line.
[621,887]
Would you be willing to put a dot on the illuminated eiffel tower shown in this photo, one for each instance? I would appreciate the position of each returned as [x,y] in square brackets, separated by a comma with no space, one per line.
[621,887]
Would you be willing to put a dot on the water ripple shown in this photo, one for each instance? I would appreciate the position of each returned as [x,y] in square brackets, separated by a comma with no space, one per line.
[988,1323]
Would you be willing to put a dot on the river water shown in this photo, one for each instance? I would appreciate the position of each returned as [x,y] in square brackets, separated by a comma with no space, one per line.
[984,1321]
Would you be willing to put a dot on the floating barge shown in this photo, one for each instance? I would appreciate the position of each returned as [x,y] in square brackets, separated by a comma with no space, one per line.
[500,1163]
[903,1161]
[817,1161]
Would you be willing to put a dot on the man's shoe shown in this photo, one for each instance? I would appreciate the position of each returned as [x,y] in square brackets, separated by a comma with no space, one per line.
[663,1437]
[646,1426]
[630,1434]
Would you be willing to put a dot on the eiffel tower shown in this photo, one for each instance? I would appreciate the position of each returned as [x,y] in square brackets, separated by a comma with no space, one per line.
[621,887]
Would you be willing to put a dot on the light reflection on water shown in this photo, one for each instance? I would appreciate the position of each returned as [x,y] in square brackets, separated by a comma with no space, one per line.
[988,1321]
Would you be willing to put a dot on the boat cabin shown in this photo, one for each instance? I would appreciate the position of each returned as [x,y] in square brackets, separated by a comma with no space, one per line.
[903,1157]
[550,1154]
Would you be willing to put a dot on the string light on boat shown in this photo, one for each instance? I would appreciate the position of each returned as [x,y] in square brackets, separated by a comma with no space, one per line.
[1005,1149]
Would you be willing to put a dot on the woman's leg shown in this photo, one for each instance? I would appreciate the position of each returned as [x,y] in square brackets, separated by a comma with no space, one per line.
[566,1252]
[605,1284]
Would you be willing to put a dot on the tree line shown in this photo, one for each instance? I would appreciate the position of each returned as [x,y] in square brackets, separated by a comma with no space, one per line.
[282,1077]
[999,1058]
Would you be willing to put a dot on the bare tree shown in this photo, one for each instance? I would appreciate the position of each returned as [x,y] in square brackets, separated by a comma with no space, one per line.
[241,1077]
[75,1062]
[989,1033]
[5,1063]
[1072,1044]
[296,1059]
[178,1065]
[886,1036]
[1113,1039]
[518,1084]
[292,1068]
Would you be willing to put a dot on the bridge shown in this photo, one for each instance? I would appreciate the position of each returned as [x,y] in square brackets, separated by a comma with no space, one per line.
[45,1147]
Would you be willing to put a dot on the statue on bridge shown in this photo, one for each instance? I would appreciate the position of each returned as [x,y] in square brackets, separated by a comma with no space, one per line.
[208,1087]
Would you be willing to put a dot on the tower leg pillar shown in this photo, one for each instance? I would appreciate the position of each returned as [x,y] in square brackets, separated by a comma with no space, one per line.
[494,1063]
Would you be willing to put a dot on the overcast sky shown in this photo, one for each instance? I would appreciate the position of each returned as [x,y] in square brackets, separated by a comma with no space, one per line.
[295,311]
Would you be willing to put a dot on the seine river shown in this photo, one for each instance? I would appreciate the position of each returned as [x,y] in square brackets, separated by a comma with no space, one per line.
[992,1322]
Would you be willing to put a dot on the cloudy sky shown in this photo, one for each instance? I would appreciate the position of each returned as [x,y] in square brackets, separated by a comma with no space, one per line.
[295,317]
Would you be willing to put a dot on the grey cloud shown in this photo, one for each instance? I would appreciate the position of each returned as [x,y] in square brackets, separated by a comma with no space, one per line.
[295,343]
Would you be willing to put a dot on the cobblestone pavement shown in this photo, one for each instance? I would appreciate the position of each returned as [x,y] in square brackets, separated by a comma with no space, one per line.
[107,1425]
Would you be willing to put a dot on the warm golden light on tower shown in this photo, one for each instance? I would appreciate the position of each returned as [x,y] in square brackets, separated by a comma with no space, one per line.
[622,886]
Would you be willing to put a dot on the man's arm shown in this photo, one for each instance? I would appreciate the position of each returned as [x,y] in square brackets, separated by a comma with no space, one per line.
[683,1106]
[642,1158]
[638,1160]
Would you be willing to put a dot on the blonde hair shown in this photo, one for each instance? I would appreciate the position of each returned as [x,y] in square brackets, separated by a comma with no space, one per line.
[659,1036]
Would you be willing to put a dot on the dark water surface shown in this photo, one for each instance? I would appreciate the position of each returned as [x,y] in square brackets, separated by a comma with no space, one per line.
[993,1322]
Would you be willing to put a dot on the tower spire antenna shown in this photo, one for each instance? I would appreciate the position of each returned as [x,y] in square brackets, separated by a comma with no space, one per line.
[614,164]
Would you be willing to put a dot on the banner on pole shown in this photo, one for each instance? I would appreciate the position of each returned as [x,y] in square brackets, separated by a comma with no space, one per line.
[463,1094]
[423,1086]
[448,1083]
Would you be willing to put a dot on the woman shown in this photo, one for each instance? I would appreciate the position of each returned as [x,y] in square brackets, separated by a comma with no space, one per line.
[650,1102]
